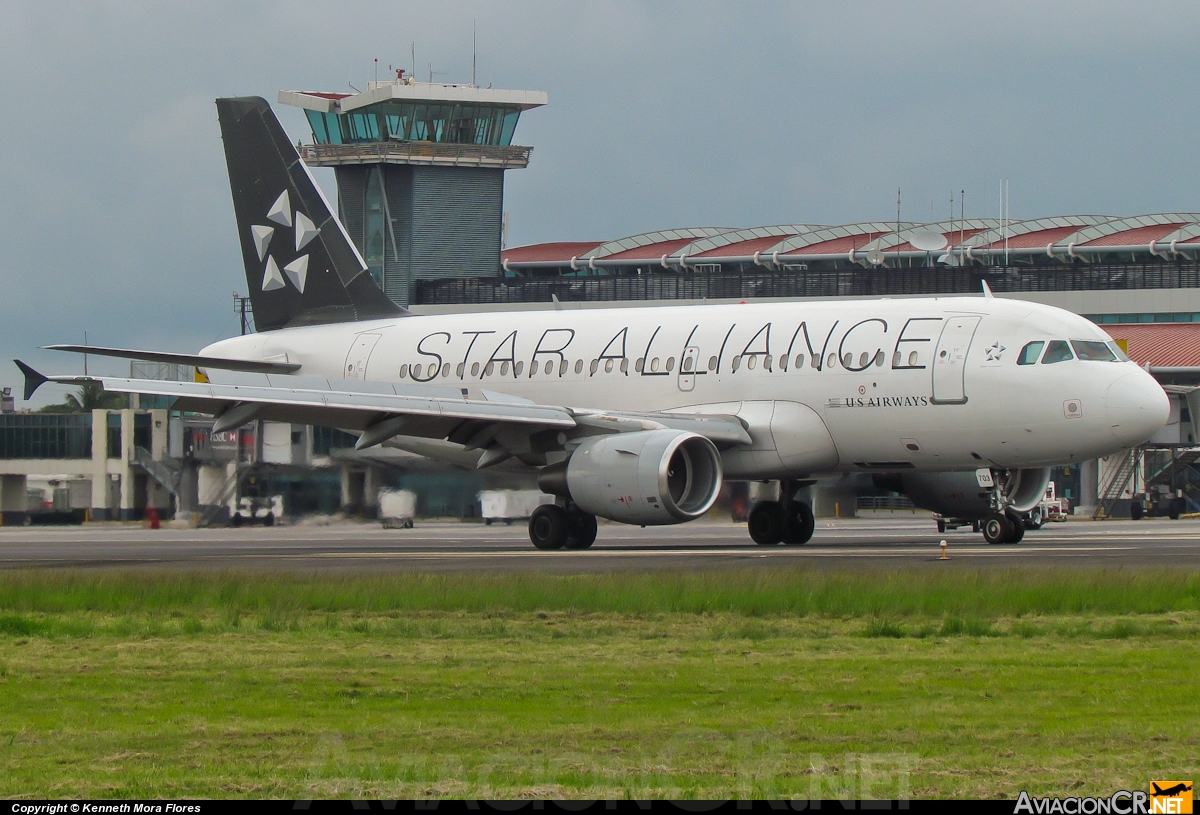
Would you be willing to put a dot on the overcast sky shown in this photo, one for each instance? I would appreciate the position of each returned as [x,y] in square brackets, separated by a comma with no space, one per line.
[115,213]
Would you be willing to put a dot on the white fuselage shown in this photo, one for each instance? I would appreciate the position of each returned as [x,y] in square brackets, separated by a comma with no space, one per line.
[928,383]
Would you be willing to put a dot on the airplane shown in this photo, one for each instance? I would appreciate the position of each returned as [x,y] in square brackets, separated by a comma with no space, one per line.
[1170,792]
[638,415]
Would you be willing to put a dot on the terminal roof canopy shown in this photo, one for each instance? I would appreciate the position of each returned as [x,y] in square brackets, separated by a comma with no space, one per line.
[1063,239]
[402,111]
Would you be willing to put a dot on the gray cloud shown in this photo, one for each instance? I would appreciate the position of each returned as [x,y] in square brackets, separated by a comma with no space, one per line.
[115,215]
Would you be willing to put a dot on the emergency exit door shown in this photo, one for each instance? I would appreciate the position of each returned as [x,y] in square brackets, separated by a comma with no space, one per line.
[949,360]
[687,368]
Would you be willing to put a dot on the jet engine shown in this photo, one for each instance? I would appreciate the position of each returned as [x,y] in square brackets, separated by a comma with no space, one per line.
[958,495]
[649,477]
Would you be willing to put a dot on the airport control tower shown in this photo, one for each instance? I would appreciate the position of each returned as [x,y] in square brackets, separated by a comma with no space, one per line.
[420,173]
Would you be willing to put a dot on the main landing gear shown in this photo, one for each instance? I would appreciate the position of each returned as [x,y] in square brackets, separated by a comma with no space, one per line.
[555,527]
[785,521]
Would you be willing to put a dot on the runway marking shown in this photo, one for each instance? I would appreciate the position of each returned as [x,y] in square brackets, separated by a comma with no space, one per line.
[932,552]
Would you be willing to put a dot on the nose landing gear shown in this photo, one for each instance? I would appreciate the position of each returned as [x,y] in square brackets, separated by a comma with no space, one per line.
[1002,527]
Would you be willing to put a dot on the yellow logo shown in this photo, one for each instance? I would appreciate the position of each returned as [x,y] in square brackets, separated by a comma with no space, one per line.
[1171,797]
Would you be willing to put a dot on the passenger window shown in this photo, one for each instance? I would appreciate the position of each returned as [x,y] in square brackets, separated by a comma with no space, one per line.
[1030,353]
[1093,350]
[1057,351]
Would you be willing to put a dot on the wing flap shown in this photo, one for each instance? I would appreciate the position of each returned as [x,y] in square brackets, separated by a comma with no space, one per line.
[246,365]
[331,399]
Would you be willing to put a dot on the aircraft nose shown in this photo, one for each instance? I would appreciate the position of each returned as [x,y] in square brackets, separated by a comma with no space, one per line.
[1137,408]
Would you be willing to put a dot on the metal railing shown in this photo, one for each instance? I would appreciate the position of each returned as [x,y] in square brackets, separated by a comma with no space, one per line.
[888,502]
[750,280]
[438,153]
[1111,492]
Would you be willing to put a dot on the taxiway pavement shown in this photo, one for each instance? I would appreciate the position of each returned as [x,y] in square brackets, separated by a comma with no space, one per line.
[441,546]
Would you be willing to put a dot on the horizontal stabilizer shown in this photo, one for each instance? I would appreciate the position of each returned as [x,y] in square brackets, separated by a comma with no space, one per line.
[251,366]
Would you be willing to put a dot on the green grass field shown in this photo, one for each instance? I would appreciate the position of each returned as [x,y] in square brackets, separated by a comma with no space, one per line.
[790,683]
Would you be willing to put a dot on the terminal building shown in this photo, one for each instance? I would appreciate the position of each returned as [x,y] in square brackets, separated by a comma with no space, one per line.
[1144,268]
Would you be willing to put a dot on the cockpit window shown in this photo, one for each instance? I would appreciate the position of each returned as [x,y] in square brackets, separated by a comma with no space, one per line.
[1093,350]
[1030,353]
[1116,349]
[1057,351]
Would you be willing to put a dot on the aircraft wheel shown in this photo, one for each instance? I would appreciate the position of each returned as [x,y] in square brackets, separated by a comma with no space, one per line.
[997,528]
[941,525]
[1018,529]
[549,527]
[766,523]
[798,524]
[583,529]
[1136,511]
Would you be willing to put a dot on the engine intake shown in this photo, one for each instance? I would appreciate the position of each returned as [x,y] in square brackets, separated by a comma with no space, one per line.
[649,477]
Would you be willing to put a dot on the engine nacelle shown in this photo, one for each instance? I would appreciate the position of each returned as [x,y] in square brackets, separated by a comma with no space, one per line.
[649,477]
[958,495]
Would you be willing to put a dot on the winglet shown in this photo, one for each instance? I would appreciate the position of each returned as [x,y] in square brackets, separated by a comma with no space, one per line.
[987,290]
[33,379]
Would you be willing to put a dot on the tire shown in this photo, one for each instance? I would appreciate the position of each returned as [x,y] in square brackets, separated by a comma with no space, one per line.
[583,530]
[1176,510]
[1018,529]
[941,524]
[549,527]
[1136,511]
[765,523]
[997,528]
[269,520]
[798,525]
[235,521]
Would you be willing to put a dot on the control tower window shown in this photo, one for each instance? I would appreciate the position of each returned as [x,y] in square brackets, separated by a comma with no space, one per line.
[373,226]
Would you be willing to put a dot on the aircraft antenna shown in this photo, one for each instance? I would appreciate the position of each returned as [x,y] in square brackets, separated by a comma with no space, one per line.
[472,53]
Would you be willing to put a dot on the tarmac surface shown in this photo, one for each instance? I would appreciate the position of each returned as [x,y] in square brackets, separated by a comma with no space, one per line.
[882,541]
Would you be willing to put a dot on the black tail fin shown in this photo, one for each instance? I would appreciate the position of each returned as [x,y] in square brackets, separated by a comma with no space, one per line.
[301,267]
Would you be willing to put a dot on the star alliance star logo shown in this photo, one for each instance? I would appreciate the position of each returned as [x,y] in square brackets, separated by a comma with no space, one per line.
[297,271]
[994,351]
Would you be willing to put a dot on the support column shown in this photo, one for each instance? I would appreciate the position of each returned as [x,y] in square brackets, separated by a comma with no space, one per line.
[128,504]
[1089,488]
[14,500]
[372,483]
[189,487]
[353,487]
[99,510]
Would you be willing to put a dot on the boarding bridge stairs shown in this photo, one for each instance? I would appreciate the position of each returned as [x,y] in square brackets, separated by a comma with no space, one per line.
[166,471]
[1112,491]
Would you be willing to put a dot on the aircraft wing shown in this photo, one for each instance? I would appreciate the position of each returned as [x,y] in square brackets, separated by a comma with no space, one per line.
[476,419]
[249,366]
